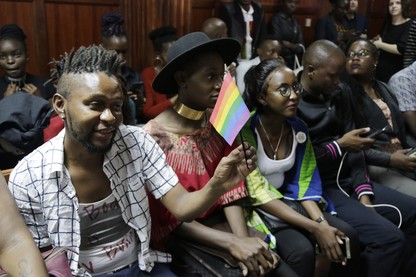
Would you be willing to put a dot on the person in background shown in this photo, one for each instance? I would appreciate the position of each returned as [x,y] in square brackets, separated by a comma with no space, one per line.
[392,39]
[216,28]
[114,37]
[334,26]
[288,31]
[25,111]
[403,85]
[155,103]
[19,255]
[357,22]
[195,69]
[375,106]
[245,23]
[370,208]
[86,188]
[410,50]
[269,48]
[288,193]
[14,57]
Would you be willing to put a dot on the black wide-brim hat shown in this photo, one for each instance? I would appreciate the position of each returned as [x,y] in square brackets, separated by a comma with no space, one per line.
[187,47]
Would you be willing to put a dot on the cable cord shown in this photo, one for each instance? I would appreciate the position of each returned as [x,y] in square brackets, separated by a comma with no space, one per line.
[372,206]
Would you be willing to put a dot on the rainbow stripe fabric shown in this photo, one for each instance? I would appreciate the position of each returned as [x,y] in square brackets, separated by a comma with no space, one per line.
[230,112]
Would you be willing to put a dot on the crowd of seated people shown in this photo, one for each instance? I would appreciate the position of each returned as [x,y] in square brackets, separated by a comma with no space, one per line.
[134,180]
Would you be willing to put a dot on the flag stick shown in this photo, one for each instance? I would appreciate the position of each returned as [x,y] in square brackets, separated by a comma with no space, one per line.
[244,148]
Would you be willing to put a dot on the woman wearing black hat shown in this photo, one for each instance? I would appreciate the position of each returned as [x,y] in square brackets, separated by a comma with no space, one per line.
[193,148]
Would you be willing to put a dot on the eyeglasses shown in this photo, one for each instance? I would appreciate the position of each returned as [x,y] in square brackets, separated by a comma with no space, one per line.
[363,53]
[286,91]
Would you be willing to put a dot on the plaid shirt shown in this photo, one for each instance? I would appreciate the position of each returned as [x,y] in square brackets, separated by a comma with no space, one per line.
[46,198]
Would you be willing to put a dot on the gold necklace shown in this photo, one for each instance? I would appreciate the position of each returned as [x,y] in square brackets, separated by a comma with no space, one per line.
[268,139]
[187,112]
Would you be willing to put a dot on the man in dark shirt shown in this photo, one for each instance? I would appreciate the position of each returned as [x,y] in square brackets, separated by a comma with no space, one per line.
[325,107]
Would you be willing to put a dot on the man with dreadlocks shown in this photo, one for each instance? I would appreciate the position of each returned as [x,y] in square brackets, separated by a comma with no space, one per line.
[114,37]
[85,189]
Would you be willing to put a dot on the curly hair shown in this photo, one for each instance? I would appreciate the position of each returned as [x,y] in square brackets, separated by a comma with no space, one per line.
[112,24]
[162,35]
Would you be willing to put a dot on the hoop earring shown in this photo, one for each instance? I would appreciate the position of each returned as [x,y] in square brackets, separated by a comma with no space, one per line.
[157,63]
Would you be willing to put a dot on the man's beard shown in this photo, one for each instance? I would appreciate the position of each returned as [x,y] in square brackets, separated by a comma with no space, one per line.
[86,139]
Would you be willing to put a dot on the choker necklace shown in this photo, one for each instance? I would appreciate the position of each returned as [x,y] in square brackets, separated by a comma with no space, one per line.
[19,81]
[187,112]
[268,139]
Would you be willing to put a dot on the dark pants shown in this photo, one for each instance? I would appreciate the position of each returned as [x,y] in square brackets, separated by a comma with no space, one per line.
[386,248]
[159,270]
[297,249]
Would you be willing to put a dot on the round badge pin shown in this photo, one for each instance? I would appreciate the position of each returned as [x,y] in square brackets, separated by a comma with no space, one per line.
[300,137]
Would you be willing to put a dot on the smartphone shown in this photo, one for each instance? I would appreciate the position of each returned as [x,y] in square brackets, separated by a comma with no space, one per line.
[136,87]
[378,132]
[412,153]
[345,248]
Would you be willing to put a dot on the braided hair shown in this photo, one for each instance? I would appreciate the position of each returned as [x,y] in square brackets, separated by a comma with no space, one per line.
[112,24]
[13,31]
[84,60]
[162,35]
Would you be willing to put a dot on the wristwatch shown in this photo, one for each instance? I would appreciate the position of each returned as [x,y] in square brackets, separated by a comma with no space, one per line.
[320,219]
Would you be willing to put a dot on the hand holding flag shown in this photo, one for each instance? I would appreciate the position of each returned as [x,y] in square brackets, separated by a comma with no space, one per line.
[230,112]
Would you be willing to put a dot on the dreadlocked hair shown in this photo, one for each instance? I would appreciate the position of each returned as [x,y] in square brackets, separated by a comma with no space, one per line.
[13,31]
[86,60]
[112,24]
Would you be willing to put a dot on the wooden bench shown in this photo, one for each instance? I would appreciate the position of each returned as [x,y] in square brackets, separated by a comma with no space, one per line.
[6,173]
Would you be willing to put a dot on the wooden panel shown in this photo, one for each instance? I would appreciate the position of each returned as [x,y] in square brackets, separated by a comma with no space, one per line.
[55,26]
[202,10]
[6,173]
[307,9]
[89,2]
[147,15]
[70,26]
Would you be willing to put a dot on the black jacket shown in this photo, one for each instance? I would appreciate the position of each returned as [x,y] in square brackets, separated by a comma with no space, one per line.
[22,120]
[232,15]
[328,120]
[366,113]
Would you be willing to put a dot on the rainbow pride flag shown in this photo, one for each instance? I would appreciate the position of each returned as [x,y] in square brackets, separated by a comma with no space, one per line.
[230,112]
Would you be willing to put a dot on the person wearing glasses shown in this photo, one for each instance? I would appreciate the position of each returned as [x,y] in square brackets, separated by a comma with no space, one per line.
[376,106]
[288,195]
[385,234]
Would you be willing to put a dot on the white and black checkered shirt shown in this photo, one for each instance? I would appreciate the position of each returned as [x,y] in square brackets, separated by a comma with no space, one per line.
[47,199]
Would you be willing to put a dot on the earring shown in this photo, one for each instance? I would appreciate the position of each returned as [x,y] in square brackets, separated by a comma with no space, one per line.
[157,63]
[62,117]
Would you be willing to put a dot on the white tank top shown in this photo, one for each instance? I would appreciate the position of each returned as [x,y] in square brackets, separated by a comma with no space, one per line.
[107,242]
[274,170]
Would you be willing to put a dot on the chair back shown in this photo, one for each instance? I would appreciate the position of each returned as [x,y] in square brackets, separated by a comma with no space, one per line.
[6,173]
